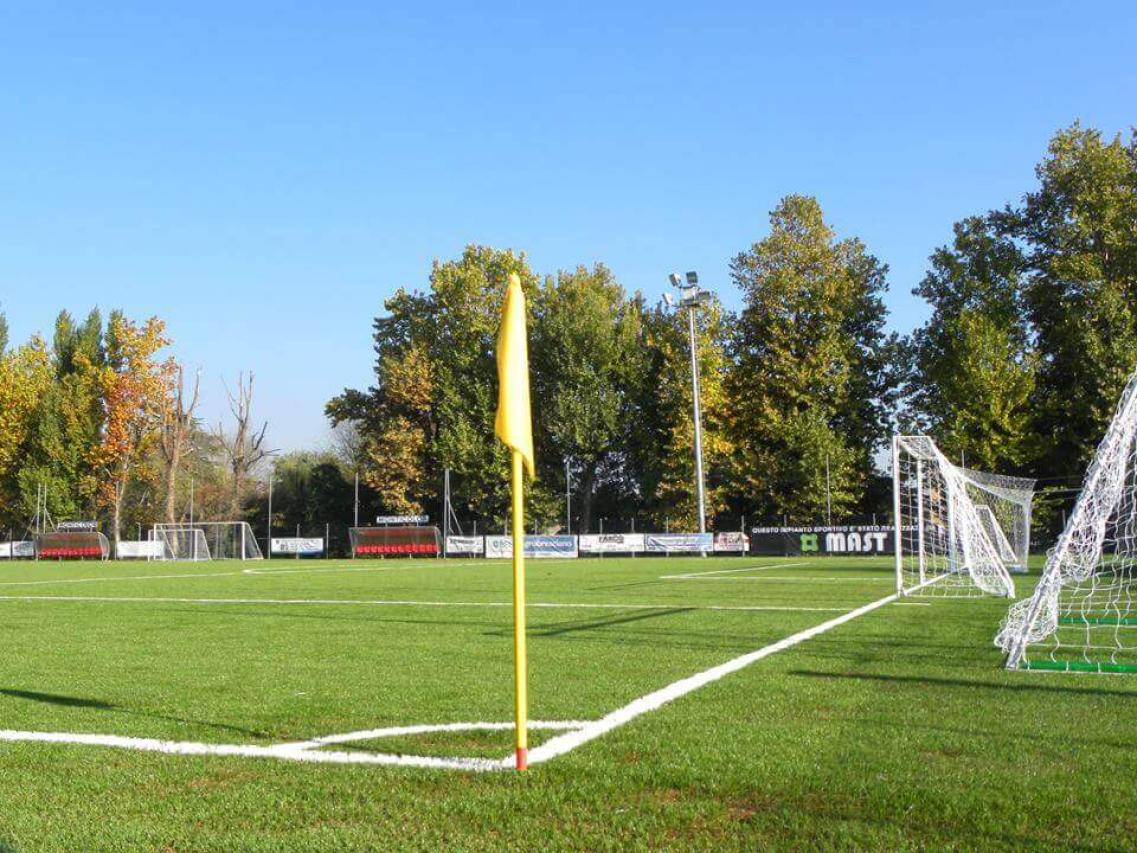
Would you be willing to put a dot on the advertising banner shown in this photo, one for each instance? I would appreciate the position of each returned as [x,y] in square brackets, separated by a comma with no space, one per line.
[867,539]
[18,550]
[734,541]
[402,519]
[76,526]
[611,543]
[466,545]
[678,543]
[293,545]
[537,547]
[139,550]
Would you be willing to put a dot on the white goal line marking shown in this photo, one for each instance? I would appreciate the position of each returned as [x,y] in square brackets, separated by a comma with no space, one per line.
[567,742]
[347,602]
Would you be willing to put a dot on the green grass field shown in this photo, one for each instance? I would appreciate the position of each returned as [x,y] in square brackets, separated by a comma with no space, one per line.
[897,729]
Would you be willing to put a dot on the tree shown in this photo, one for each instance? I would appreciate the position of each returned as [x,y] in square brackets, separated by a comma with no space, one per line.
[244,446]
[175,432]
[435,394]
[587,358]
[1080,251]
[133,383]
[663,433]
[974,360]
[811,382]
[66,425]
[25,377]
[3,333]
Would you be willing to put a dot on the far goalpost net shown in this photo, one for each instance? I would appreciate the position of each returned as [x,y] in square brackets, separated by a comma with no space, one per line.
[1083,614]
[207,540]
[945,544]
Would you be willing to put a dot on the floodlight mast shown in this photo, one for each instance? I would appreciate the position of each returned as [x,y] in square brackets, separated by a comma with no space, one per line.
[692,297]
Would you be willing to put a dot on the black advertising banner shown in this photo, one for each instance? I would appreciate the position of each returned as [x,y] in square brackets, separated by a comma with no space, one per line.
[860,539]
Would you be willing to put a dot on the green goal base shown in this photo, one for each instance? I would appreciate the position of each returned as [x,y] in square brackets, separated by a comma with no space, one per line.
[1078,666]
[1098,620]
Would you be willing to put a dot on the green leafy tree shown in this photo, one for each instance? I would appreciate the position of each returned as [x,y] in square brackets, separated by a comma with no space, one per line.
[68,422]
[435,395]
[974,361]
[811,381]
[586,361]
[663,436]
[1080,245]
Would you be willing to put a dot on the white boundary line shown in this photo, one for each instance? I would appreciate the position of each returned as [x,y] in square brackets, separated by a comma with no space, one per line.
[306,751]
[689,575]
[767,579]
[352,602]
[568,742]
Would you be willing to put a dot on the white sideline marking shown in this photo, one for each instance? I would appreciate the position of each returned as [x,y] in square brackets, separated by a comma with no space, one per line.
[805,579]
[307,751]
[347,602]
[108,578]
[689,575]
[652,701]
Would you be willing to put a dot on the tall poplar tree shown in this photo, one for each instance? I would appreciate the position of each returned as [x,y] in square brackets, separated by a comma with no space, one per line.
[811,383]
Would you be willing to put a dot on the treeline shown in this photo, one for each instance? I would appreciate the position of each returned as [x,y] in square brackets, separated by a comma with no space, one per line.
[97,424]
[1032,333]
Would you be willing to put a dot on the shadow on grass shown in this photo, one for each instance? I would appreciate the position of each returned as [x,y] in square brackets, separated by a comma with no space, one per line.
[557,629]
[99,705]
[959,682]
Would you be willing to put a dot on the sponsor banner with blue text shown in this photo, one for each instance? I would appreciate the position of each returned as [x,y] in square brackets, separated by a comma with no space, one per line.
[537,547]
[678,543]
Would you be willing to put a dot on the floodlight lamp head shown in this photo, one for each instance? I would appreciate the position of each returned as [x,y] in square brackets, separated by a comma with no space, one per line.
[669,300]
[692,278]
[675,280]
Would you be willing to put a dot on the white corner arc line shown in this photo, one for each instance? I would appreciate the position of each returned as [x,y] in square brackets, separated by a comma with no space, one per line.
[567,742]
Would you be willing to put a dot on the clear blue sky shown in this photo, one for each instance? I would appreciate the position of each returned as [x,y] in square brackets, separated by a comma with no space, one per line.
[263,175]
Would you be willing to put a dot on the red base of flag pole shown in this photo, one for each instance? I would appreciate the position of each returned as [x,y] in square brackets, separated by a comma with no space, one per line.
[522,758]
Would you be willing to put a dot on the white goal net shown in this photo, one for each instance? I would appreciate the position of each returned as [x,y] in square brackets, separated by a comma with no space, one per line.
[1083,614]
[207,540]
[944,542]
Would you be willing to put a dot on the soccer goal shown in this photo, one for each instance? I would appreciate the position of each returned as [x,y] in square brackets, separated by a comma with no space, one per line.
[207,540]
[1004,506]
[943,546]
[1083,614]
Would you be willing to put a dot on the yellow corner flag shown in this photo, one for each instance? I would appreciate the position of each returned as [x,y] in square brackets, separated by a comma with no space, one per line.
[514,426]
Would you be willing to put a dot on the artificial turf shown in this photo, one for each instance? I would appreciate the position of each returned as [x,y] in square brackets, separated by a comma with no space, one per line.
[898,729]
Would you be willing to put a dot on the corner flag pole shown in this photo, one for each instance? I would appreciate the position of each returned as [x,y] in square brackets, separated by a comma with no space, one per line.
[520,670]
[514,426]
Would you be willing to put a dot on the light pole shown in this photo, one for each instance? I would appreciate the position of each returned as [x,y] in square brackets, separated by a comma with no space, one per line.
[692,297]
[568,498]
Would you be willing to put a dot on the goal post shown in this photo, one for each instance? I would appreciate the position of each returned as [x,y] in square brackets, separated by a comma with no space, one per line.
[1082,616]
[208,540]
[943,545]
